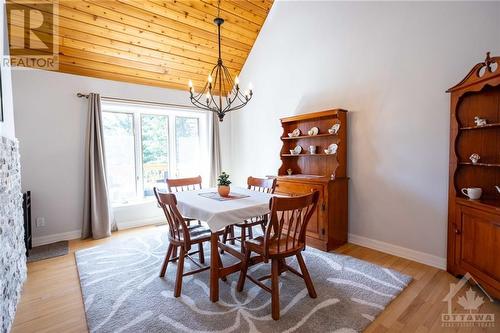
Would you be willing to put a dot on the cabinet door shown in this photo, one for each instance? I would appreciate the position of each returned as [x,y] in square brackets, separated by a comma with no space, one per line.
[479,243]
[315,228]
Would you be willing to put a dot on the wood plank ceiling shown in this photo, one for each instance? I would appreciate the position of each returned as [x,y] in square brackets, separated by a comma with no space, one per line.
[158,43]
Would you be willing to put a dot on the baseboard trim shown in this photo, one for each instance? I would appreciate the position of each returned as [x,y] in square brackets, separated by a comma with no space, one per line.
[76,234]
[139,223]
[421,257]
[49,239]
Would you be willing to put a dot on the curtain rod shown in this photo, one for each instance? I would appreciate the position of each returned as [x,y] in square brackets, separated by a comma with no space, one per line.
[136,101]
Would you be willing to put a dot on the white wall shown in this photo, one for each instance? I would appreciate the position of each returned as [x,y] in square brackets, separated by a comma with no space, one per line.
[50,125]
[389,64]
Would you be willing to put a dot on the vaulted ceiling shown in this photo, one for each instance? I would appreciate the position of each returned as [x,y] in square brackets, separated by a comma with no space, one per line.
[159,43]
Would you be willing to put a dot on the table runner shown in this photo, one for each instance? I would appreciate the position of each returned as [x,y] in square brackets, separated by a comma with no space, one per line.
[216,196]
[220,214]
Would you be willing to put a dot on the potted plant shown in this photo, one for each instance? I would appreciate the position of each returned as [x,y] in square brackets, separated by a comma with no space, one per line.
[223,183]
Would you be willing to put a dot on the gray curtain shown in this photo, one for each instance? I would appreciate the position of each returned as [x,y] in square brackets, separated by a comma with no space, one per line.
[215,160]
[98,220]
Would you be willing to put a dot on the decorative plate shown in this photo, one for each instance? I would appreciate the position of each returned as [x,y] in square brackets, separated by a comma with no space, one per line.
[313,131]
[333,148]
[296,132]
[297,149]
[334,129]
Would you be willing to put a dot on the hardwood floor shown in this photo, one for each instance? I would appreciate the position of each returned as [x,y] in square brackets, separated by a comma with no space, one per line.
[52,302]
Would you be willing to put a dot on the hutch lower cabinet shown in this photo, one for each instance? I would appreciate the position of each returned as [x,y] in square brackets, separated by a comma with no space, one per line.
[327,229]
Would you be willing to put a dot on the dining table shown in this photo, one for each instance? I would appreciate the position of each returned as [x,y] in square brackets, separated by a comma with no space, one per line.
[218,213]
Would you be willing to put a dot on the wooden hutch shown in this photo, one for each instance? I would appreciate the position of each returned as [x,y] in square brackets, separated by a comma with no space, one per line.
[326,173]
[474,225]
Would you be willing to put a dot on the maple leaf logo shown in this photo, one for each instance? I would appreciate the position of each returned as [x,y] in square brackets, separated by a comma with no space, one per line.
[470,301]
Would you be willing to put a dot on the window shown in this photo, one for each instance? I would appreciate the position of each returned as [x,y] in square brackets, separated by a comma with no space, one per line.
[145,144]
[120,155]
[187,149]
[155,148]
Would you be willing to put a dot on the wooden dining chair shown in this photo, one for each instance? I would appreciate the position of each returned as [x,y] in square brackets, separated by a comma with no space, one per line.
[182,237]
[285,236]
[265,185]
[183,184]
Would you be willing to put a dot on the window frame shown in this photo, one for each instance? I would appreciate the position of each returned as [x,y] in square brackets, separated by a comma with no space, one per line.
[137,111]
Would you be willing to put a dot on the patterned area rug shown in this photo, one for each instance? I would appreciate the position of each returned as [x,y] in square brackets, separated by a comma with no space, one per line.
[123,293]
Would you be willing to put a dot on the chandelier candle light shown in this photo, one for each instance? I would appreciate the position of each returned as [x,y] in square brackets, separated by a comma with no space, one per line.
[221,94]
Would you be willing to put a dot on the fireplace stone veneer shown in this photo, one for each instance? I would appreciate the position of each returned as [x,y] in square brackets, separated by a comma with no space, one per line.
[12,249]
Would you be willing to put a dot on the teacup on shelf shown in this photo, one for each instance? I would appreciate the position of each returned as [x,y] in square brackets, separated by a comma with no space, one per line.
[473,193]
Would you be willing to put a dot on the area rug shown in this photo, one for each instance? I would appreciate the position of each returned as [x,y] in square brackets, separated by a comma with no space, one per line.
[48,251]
[123,293]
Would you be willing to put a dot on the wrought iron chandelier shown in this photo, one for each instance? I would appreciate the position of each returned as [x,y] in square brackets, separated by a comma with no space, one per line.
[221,94]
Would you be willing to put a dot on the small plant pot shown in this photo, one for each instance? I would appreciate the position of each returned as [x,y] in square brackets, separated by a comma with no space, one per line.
[224,191]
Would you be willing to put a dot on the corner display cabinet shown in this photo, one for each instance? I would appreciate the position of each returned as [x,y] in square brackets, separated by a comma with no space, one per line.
[474,225]
[326,172]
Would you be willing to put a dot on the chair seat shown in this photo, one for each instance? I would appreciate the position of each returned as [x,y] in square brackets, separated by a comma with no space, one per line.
[198,233]
[283,246]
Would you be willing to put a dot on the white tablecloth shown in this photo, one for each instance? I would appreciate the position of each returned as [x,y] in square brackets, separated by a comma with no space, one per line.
[220,214]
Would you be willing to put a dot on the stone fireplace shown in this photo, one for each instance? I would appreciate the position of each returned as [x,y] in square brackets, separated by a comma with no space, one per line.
[12,249]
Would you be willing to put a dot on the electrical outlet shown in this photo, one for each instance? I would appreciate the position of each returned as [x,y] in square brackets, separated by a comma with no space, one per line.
[40,221]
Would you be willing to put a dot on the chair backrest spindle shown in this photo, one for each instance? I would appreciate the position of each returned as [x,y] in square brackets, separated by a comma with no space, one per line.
[289,219]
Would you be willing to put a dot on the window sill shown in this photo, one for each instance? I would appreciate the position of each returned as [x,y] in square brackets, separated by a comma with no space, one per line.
[132,203]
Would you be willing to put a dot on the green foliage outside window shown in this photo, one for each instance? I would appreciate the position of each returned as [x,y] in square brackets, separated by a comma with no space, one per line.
[154,139]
